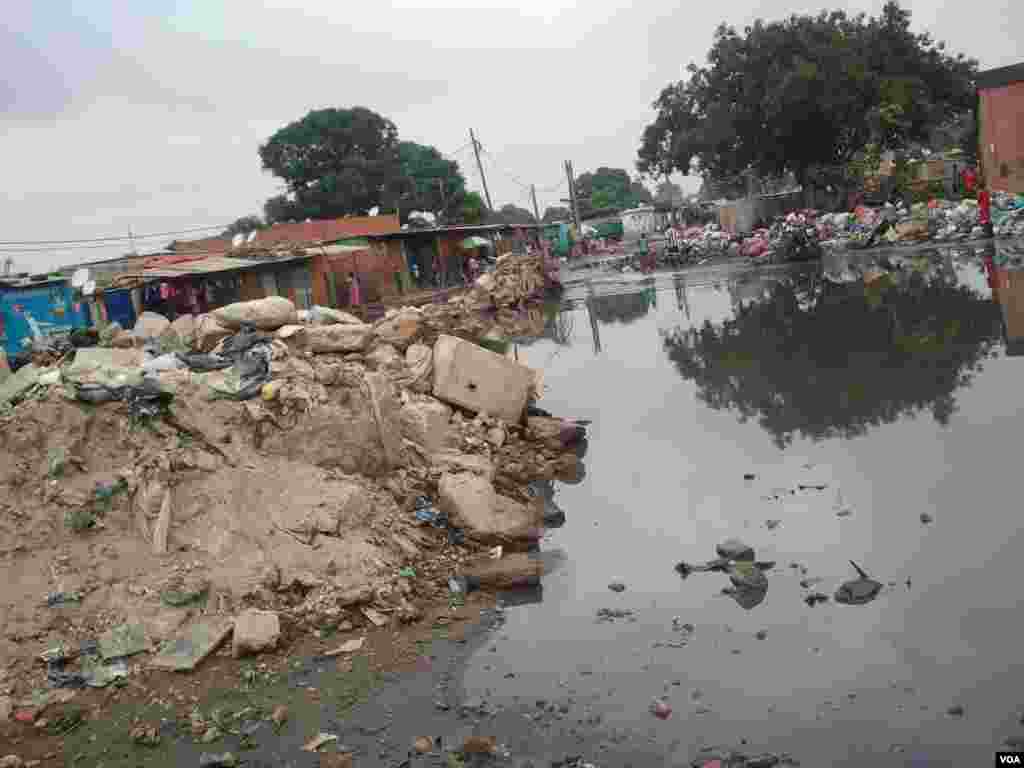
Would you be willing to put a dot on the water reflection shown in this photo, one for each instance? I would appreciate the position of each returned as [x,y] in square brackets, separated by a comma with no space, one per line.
[833,352]
[1007,283]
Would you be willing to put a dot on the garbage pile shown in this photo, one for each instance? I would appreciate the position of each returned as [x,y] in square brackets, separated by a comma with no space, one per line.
[514,280]
[306,465]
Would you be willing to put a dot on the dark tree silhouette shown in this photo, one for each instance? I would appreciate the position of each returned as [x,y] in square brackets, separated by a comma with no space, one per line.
[820,359]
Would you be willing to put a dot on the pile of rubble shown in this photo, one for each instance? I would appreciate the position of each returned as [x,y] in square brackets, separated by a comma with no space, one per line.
[334,472]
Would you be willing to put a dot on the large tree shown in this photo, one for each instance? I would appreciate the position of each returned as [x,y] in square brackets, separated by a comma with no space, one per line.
[556,213]
[431,182]
[920,337]
[609,188]
[511,214]
[334,162]
[804,93]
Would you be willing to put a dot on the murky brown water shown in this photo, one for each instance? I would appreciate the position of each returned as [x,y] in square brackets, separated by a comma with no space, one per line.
[896,395]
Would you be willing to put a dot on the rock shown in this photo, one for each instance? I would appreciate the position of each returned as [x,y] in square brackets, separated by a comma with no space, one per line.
[227,760]
[761,634]
[556,434]
[185,328]
[516,569]
[328,374]
[191,646]
[267,314]
[150,325]
[734,549]
[816,597]
[745,575]
[349,337]
[956,710]
[419,360]
[11,761]
[386,410]
[255,631]
[926,518]
[424,421]
[423,745]
[480,380]
[122,340]
[280,715]
[209,332]
[471,502]
[480,745]
[401,328]
[497,436]
[385,357]
[617,586]
[329,316]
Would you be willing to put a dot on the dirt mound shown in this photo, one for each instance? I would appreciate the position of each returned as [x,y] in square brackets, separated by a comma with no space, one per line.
[307,498]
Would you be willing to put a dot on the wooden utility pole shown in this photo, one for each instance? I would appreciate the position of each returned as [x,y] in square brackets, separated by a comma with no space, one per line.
[480,167]
[572,195]
[536,210]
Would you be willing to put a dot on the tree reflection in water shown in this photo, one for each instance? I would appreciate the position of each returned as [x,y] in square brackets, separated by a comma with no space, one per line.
[822,360]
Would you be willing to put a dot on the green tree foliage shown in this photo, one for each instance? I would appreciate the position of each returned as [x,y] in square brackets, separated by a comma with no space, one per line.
[609,188]
[243,226]
[333,162]
[472,209]
[919,338]
[804,92]
[431,182]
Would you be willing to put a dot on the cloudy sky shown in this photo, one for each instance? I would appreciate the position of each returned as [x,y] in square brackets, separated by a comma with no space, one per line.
[119,115]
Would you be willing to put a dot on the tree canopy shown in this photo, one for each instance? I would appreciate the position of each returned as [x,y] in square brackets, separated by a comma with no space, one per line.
[804,92]
[609,188]
[243,226]
[431,182]
[472,208]
[919,338]
[333,162]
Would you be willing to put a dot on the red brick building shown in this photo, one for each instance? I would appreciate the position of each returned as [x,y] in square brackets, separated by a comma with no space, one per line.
[1001,127]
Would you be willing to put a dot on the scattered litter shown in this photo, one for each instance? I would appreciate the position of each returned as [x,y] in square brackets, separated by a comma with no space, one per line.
[771,525]
[145,735]
[188,649]
[227,760]
[407,573]
[121,641]
[318,741]
[349,646]
[495,552]
[62,598]
[957,710]
[611,614]
[279,715]
[423,745]
[661,709]
[480,745]
[749,476]
[844,513]
[617,586]
[858,591]
[926,518]
[816,597]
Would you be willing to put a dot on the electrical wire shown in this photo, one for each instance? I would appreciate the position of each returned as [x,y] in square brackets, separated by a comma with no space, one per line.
[512,176]
[112,238]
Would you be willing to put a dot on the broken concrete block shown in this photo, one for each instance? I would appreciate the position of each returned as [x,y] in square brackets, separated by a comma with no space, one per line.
[400,328]
[209,332]
[425,422]
[471,503]
[347,337]
[255,631]
[386,413]
[330,316]
[163,525]
[150,325]
[509,572]
[480,380]
[385,357]
[419,359]
[187,649]
[267,314]
[185,328]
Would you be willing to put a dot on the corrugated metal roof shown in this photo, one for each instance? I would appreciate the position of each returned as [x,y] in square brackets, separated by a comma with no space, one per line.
[213,265]
[466,229]
[1000,77]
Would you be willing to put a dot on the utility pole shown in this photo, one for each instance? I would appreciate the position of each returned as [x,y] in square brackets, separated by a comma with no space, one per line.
[480,167]
[536,210]
[572,195]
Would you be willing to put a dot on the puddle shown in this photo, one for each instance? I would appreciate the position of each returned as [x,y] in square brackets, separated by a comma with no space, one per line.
[858,406]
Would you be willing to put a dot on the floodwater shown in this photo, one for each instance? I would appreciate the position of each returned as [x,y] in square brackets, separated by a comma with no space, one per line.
[887,397]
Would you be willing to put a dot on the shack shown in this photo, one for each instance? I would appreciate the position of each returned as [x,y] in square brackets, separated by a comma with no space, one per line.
[1001,127]
[43,306]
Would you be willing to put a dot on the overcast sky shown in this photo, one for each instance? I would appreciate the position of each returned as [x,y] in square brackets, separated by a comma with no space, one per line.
[148,115]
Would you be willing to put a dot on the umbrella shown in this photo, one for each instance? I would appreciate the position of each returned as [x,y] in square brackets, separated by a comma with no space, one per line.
[475,242]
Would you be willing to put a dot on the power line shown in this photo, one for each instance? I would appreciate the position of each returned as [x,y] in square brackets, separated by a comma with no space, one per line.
[512,176]
[113,238]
